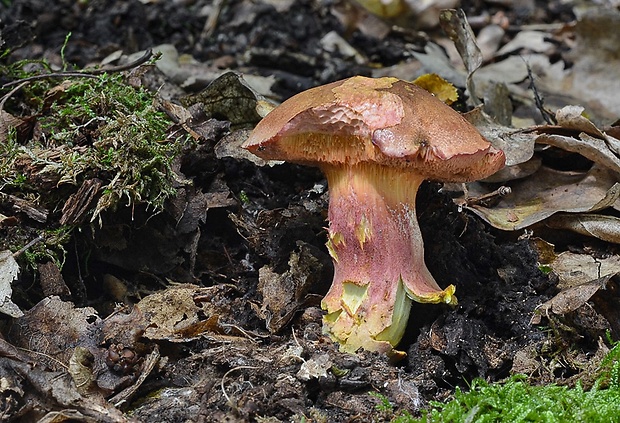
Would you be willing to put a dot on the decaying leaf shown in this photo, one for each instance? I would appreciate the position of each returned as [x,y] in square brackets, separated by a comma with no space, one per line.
[517,145]
[576,269]
[438,86]
[232,97]
[582,277]
[54,328]
[454,23]
[9,270]
[570,299]
[547,192]
[606,228]
[169,311]
[284,294]
[185,312]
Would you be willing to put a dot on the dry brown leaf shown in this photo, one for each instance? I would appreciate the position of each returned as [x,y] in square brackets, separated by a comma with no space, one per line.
[594,149]
[575,269]
[591,143]
[606,228]
[517,145]
[455,25]
[570,299]
[54,328]
[545,193]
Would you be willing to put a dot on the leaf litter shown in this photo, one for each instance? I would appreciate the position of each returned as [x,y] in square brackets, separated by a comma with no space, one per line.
[221,284]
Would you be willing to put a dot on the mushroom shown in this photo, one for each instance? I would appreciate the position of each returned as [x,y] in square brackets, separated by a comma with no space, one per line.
[376,140]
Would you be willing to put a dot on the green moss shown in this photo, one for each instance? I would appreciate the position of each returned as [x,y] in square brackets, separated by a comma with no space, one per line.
[93,127]
[101,128]
[516,401]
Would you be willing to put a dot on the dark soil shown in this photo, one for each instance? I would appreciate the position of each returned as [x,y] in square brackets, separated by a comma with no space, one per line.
[253,362]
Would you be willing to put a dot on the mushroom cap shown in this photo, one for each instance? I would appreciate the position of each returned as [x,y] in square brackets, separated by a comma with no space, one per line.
[382,120]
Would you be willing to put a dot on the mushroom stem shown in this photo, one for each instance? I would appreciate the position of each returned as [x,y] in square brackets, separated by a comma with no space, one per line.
[378,253]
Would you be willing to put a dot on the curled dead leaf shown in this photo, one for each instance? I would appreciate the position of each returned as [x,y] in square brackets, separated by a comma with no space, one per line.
[545,193]
[606,228]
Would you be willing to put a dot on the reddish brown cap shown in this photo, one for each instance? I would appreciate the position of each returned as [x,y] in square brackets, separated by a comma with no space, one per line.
[382,120]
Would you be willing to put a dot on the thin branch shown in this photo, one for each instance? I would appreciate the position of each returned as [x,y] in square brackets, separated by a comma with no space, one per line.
[90,74]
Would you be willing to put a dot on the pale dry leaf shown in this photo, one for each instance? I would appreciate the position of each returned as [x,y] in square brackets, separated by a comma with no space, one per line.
[455,25]
[594,77]
[545,193]
[570,299]
[517,145]
[606,228]
[315,367]
[536,41]
[230,146]
[435,60]
[489,39]
[169,311]
[425,13]
[332,42]
[571,117]
[498,104]
[9,269]
[594,149]
[575,269]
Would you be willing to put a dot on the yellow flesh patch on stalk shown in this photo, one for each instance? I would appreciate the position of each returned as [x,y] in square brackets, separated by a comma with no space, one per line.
[352,297]
[363,231]
[332,243]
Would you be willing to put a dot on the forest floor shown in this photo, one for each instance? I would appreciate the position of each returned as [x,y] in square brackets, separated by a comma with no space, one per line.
[178,280]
